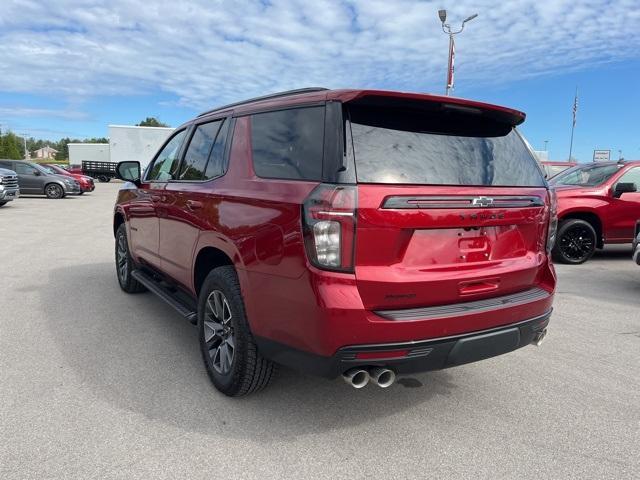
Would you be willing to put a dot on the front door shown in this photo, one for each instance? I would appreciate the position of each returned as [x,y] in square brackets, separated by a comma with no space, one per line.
[30,178]
[144,222]
[624,211]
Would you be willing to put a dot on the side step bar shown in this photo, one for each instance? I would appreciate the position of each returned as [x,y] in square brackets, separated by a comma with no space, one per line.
[166,295]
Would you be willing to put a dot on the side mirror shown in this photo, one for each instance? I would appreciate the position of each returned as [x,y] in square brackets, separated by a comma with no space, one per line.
[129,172]
[37,173]
[624,187]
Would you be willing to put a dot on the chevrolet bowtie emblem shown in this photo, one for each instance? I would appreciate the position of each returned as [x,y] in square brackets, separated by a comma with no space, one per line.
[482,202]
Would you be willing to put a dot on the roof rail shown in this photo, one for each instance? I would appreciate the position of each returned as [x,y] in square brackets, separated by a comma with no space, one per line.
[266,97]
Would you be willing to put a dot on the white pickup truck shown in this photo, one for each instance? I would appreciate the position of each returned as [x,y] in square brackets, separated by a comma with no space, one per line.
[9,189]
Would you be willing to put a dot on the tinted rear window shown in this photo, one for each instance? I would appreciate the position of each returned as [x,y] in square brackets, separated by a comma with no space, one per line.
[397,146]
[288,144]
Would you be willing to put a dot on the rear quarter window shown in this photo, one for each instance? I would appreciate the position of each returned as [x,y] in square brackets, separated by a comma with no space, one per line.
[288,144]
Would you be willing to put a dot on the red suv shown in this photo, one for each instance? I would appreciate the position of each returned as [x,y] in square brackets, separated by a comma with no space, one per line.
[360,233]
[598,204]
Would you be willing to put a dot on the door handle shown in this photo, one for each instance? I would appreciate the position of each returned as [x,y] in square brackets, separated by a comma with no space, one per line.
[194,204]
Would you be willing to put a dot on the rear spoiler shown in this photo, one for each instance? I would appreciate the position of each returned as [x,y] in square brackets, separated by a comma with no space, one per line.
[434,103]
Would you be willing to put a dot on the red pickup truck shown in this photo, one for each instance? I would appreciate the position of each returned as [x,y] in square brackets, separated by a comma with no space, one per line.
[598,204]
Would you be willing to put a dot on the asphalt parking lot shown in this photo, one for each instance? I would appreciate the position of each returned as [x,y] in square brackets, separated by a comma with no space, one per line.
[99,384]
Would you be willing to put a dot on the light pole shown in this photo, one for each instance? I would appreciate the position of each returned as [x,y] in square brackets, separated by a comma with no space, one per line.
[446,28]
[545,145]
[26,152]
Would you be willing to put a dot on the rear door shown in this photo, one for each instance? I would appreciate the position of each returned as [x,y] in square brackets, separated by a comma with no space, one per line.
[451,207]
[189,200]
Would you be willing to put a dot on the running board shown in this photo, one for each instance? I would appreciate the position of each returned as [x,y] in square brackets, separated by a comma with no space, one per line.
[166,295]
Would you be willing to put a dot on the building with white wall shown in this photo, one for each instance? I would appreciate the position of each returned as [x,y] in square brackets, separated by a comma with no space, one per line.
[126,142]
[79,152]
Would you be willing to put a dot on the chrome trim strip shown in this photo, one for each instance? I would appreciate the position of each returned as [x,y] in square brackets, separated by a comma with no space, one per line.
[455,201]
[466,308]
[337,214]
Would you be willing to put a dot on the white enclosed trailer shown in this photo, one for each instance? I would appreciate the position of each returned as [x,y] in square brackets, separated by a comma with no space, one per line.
[136,143]
[93,152]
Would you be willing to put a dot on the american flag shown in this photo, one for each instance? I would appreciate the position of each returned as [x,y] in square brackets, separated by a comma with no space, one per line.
[575,107]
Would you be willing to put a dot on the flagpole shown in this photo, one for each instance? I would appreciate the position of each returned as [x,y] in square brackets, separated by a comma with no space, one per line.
[573,124]
[446,28]
[449,84]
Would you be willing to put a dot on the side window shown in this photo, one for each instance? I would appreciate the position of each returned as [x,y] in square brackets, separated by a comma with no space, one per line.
[24,169]
[215,167]
[631,176]
[288,144]
[198,151]
[167,160]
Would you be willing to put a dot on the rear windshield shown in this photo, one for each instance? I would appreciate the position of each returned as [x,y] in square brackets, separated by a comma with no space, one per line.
[397,146]
[586,176]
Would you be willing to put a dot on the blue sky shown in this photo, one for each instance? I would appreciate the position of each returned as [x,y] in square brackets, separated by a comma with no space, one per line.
[71,67]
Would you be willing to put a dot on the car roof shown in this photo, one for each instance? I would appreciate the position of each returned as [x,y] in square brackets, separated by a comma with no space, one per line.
[318,94]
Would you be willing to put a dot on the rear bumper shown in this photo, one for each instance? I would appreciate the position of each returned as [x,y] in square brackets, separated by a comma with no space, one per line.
[414,356]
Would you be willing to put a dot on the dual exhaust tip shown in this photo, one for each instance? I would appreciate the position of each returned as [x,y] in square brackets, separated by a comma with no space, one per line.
[384,377]
[360,377]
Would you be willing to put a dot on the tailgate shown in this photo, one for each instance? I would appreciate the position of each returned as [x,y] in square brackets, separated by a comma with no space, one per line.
[438,245]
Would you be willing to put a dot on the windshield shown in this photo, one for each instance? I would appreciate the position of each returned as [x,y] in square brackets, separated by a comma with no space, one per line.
[41,168]
[586,175]
[48,168]
[401,146]
[553,170]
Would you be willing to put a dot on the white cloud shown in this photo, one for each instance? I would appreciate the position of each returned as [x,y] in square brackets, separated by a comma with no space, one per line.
[207,52]
[21,111]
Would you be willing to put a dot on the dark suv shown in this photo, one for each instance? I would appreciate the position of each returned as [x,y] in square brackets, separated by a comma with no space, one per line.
[343,232]
[36,180]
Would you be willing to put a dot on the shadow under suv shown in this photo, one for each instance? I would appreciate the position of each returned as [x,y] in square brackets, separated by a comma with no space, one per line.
[360,233]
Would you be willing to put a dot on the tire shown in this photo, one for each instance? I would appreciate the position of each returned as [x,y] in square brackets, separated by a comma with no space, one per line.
[2,204]
[124,263]
[81,192]
[53,190]
[107,179]
[223,327]
[575,243]
[102,178]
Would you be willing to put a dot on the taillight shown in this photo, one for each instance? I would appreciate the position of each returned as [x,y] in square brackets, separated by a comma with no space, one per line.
[553,220]
[329,225]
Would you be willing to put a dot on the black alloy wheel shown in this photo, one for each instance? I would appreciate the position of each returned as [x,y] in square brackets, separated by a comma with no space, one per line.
[124,264]
[228,348]
[576,242]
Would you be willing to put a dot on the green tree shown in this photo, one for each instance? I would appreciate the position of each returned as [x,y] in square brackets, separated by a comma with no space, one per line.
[151,122]
[10,146]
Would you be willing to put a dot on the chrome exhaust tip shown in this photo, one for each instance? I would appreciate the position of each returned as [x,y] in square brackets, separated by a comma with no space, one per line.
[356,377]
[539,337]
[383,377]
